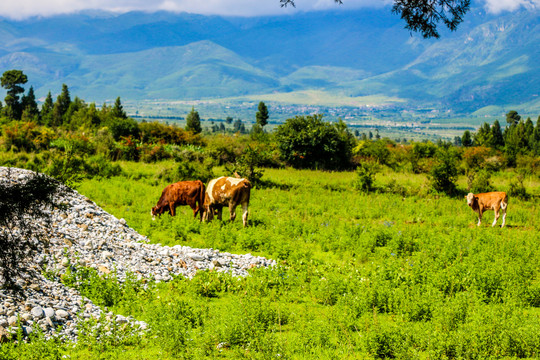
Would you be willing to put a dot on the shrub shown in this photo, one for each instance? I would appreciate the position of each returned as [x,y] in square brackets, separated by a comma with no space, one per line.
[443,175]
[310,142]
[517,188]
[99,166]
[479,182]
[365,176]
[246,164]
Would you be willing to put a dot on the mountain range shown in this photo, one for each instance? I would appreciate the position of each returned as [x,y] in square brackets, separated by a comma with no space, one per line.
[488,65]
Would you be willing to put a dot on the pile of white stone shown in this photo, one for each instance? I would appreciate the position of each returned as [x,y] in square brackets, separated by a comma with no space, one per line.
[81,234]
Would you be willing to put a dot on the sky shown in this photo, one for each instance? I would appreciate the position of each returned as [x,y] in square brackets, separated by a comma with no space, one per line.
[20,9]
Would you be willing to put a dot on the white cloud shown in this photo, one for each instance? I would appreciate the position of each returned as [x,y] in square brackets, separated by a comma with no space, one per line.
[19,9]
[497,6]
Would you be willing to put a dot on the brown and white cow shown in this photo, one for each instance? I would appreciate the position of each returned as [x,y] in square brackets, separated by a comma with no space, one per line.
[489,201]
[181,193]
[227,191]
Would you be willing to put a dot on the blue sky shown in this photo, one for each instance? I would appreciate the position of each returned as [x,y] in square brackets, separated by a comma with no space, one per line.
[20,9]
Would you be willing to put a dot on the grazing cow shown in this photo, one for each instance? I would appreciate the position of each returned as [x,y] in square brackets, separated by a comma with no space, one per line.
[227,191]
[181,193]
[489,201]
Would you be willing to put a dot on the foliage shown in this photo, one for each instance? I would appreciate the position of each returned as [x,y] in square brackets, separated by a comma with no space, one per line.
[247,163]
[480,182]
[193,122]
[310,142]
[443,175]
[262,115]
[21,235]
[366,176]
[517,188]
[421,157]
[422,16]
[378,151]
[11,81]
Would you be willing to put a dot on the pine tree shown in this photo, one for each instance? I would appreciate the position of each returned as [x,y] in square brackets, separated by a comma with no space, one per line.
[11,81]
[193,122]
[118,109]
[497,135]
[534,140]
[483,137]
[46,110]
[262,115]
[512,118]
[29,105]
[61,106]
[466,139]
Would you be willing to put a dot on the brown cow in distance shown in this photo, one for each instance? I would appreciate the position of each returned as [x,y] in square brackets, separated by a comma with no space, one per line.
[488,201]
[181,193]
[227,191]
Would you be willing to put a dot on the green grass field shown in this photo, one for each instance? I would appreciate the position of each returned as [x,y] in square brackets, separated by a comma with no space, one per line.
[359,276]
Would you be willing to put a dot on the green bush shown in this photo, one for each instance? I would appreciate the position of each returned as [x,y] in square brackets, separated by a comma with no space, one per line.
[443,175]
[310,142]
[365,176]
[480,182]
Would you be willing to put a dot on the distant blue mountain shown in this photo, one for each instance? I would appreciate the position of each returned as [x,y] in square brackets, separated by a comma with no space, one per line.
[490,60]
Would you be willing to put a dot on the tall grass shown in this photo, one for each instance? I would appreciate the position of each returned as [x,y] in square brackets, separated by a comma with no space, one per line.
[359,275]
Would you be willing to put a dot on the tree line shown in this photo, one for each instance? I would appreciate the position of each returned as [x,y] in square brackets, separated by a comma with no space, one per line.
[71,134]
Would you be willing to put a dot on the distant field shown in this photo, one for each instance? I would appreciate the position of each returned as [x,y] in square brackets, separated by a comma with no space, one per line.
[364,114]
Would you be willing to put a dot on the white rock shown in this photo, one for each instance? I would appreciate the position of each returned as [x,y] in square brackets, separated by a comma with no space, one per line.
[37,312]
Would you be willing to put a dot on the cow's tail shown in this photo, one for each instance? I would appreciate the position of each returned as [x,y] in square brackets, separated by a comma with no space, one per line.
[504,202]
[201,200]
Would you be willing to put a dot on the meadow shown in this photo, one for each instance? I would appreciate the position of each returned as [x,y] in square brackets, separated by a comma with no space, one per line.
[359,276]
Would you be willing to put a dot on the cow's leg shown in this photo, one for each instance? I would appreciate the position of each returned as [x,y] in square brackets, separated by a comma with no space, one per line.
[496,217]
[195,208]
[219,212]
[504,217]
[479,217]
[245,213]
[209,213]
[232,211]
[172,208]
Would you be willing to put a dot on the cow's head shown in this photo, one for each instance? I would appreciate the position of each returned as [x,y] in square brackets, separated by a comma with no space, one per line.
[471,199]
[156,210]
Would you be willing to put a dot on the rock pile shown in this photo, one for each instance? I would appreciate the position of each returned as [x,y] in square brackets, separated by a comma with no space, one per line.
[83,234]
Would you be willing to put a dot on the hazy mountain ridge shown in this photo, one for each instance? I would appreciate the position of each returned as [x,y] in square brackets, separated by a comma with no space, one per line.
[489,61]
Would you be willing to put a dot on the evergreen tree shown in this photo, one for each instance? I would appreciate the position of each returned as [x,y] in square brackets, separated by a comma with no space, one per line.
[61,106]
[46,110]
[512,118]
[516,142]
[11,81]
[466,139]
[534,140]
[262,115]
[118,109]
[483,137]
[193,121]
[64,99]
[76,105]
[528,130]
[29,106]
[497,135]
[238,126]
